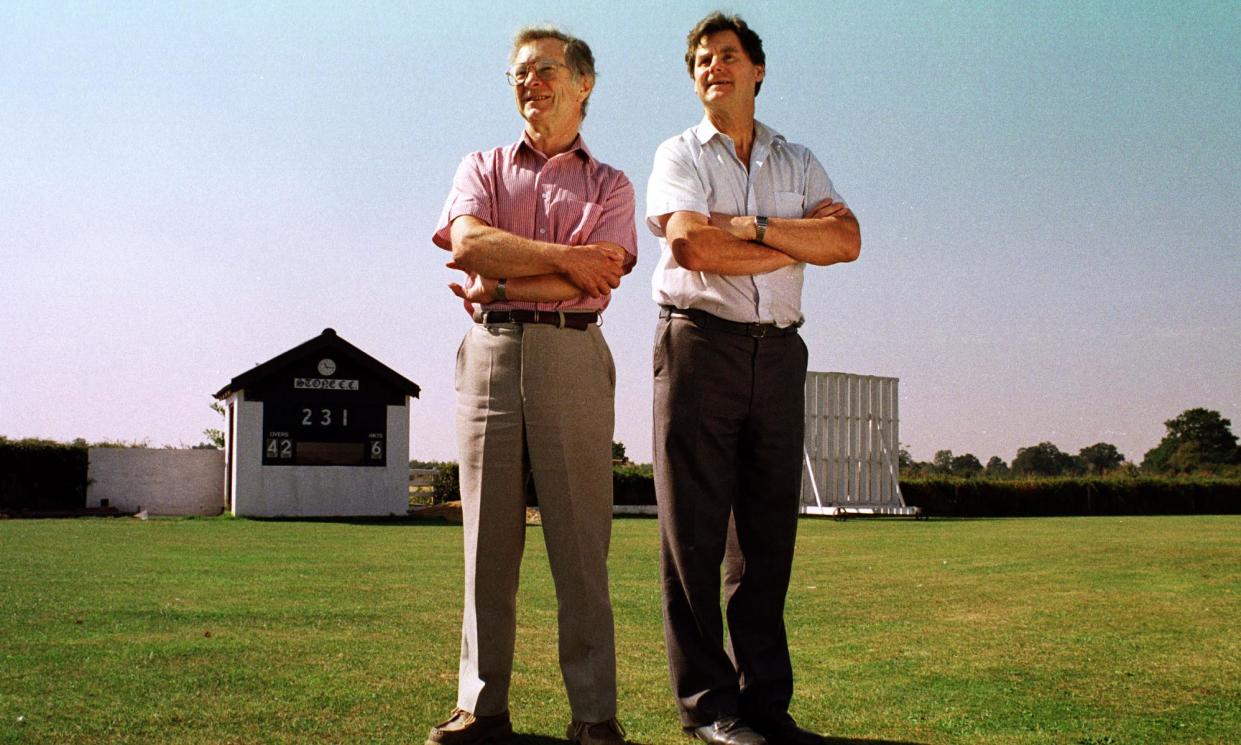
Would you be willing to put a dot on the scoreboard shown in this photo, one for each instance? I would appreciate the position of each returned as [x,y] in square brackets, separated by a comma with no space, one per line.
[324,416]
[320,433]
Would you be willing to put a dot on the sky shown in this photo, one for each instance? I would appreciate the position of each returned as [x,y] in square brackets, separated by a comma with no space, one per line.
[1048,192]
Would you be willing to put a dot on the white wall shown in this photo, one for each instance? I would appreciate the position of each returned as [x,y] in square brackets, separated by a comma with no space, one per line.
[162,482]
[316,491]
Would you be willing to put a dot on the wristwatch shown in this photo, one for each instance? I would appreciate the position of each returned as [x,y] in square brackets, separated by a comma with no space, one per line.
[502,289]
[760,228]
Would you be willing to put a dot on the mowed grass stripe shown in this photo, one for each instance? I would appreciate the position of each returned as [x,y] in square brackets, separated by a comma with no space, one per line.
[1073,630]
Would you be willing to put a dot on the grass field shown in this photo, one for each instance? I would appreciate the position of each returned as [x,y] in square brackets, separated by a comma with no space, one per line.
[1071,630]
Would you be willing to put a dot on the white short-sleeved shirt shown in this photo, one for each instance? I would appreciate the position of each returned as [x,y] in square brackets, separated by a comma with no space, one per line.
[698,171]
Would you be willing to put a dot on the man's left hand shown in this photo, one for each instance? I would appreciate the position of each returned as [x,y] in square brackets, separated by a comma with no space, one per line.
[828,208]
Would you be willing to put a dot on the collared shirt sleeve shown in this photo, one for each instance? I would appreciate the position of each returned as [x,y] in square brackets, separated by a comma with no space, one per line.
[615,224]
[471,194]
[675,185]
[818,184]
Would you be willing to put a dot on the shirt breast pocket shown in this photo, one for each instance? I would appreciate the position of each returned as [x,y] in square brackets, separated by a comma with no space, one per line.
[572,220]
[790,204]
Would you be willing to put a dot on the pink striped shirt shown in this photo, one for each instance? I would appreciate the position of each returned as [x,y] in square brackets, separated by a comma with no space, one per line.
[572,199]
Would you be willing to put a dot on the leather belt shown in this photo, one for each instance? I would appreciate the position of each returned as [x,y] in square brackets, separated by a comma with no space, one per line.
[705,320]
[558,318]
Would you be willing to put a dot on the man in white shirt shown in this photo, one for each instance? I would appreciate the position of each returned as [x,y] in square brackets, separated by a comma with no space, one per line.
[740,212]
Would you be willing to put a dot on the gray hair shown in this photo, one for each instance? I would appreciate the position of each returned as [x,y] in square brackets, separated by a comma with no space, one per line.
[577,54]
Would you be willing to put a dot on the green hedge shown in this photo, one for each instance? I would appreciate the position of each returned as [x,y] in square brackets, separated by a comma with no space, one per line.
[41,476]
[446,483]
[631,484]
[947,497]
[954,497]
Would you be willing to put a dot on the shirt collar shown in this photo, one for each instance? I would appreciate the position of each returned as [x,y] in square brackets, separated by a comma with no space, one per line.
[578,146]
[764,136]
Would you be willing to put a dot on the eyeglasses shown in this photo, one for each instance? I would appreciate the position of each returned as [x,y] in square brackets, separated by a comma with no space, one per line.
[544,68]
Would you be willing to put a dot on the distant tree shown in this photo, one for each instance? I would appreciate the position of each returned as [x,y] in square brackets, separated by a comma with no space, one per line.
[1198,439]
[1043,459]
[904,460]
[618,452]
[1100,458]
[215,437]
[921,469]
[966,466]
[996,467]
[1185,459]
[428,464]
[123,444]
[911,468]
[942,462]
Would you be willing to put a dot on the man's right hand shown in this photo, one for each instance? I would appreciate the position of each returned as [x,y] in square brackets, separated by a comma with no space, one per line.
[475,290]
[594,268]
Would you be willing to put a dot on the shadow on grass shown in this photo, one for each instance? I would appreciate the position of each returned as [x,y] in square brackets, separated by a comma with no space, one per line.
[902,519]
[381,521]
[520,739]
[865,741]
[374,521]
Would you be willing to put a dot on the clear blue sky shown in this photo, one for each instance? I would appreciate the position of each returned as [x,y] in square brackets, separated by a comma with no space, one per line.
[1048,195]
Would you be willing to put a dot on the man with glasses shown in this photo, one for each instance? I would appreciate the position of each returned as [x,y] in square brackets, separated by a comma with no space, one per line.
[544,232]
[740,211]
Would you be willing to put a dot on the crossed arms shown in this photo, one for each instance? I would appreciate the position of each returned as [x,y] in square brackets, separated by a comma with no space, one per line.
[537,271]
[727,245]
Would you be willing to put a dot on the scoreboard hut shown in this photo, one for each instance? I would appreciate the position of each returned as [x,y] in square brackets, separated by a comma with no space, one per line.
[321,430]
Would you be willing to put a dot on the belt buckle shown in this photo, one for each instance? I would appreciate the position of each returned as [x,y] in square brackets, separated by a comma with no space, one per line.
[758,330]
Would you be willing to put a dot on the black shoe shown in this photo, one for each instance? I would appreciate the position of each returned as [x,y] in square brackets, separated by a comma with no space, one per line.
[730,731]
[782,730]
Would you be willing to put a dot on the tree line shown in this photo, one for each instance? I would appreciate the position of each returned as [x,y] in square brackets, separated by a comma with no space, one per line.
[1198,441]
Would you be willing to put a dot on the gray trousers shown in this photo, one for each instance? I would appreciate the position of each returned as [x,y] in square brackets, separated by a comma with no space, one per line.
[541,398]
[728,449]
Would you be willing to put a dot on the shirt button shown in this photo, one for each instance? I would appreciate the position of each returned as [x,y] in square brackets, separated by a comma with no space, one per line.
[542,231]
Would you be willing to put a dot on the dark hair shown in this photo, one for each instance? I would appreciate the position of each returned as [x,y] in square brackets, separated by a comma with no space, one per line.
[577,54]
[717,22]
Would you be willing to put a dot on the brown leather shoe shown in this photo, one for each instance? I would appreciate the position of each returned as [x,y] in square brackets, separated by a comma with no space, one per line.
[599,733]
[463,728]
[730,731]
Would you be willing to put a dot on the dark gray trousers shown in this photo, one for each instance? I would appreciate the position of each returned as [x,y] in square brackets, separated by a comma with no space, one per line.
[729,431]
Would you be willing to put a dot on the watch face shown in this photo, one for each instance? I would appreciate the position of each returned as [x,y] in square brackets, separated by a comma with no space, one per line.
[326,366]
